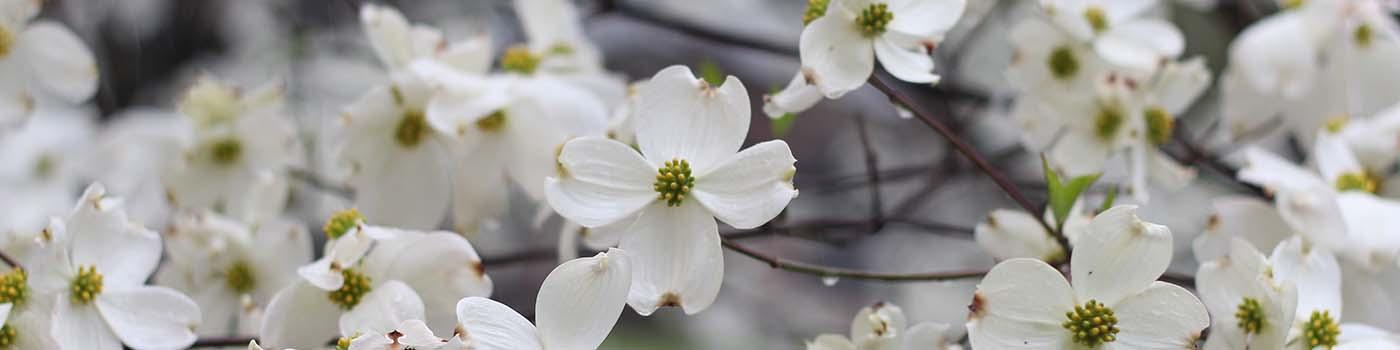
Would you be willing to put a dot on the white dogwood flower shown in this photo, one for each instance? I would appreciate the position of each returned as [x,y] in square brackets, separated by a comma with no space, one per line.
[1252,310]
[42,166]
[1115,301]
[399,43]
[37,59]
[409,334]
[689,172]
[95,266]
[882,326]
[1007,234]
[578,305]
[219,261]
[841,46]
[1118,30]
[236,137]
[1314,270]
[1240,217]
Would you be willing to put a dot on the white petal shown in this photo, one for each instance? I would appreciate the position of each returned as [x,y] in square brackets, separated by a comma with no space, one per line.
[1120,255]
[681,116]
[388,33]
[409,190]
[926,18]
[300,316]
[479,190]
[1371,224]
[441,266]
[1078,154]
[1275,173]
[911,64]
[1020,304]
[1315,214]
[81,327]
[285,244]
[455,113]
[676,258]
[751,188]
[605,181]
[878,326]
[1224,282]
[1334,158]
[321,275]
[5,312]
[1315,272]
[830,342]
[1140,45]
[581,300]
[150,317]
[1179,84]
[798,96]
[382,309]
[839,55]
[124,253]
[493,326]
[926,335]
[1007,234]
[1164,316]
[371,341]
[61,63]
[1270,67]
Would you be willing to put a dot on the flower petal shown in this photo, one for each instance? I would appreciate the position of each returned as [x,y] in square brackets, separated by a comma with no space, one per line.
[1315,214]
[81,327]
[840,57]
[59,60]
[581,300]
[407,190]
[382,310]
[1120,255]
[1020,304]
[479,197]
[798,96]
[1315,272]
[389,34]
[1164,316]
[681,116]
[300,316]
[871,327]
[926,335]
[441,266]
[1141,44]
[1007,234]
[676,258]
[1334,157]
[123,252]
[910,64]
[494,326]
[150,317]
[282,245]
[926,18]
[604,181]
[751,188]
[830,342]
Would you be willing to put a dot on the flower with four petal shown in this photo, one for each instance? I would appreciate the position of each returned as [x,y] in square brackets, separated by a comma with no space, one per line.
[882,326]
[578,305]
[840,48]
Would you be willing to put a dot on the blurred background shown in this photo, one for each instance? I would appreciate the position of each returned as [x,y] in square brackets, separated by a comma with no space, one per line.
[149,51]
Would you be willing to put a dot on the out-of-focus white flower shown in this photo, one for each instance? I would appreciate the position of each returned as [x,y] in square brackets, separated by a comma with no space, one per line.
[578,305]
[840,48]
[1008,234]
[399,43]
[882,326]
[94,266]
[398,162]
[1240,217]
[218,261]
[130,156]
[1319,282]
[409,334]
[1118,31]
[26,318]
[1115,300]
[556,36]
[237,138]
[1242,284]
[40,171]
[39,57]
[689,172]
[800,94]
[406,275]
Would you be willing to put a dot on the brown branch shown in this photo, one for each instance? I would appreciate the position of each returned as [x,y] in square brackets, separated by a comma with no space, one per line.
[218,342]
[14,264]
[826,271]
[319,183]
[872,171]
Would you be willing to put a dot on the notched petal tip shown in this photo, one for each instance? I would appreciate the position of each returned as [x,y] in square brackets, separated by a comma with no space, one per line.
[670,299]
[978,306]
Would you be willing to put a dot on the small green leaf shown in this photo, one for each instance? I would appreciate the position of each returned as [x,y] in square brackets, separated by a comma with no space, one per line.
[1063,195]
[782,124]
[710,71]
[1108,201]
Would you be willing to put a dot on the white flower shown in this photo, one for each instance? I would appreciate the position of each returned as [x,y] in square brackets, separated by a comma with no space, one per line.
[1319,281]
[840,47]
[689,172]
[398,163]
[1359,336]
[406,275]
[39,57]
[237,138]
[1117,30]
[409,334]
[41,165]
[1027,304]
[882,326]
[218,261]
[578,304]
[1251,309]
[1249,218]
[556,36]
[95,267]
[399,43]
[800,94]
[1007,234]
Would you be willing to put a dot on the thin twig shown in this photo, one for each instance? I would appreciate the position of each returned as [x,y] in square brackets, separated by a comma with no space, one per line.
[872,171]
[216,342]
[319,183]
[14,264]
[836,272]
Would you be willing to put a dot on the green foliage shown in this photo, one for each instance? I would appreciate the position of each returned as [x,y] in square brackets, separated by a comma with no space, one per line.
[1063,194]
[782,124]
[710,71]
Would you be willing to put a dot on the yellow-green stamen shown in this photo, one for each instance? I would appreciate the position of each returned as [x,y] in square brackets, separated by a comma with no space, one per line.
[412,128]
[1091,324]
[519,59]
[239,277]
[7,41]
[226,151]
[352,291]
[1336,124]
[1250,316]
[874,19]
[1097,18]
[1063,64]
[1108,121]
[86,285]
[493,122]
[7,336]
[341,222]
[14,287]
[815,9]
[1363,35]
[1159,125]
[673,182]
[1358,181]
[1321,330]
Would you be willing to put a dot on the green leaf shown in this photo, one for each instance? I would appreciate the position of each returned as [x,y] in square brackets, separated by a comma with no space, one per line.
[782,124]
[709,70]
[1108,201]
[1063,195]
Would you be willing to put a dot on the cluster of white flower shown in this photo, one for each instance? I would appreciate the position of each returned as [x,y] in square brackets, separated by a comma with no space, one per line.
[647,173]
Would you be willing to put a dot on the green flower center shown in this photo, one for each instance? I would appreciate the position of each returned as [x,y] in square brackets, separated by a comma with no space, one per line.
[815,9]
[519,59]
[412,128]
[240,277]
[46,166]
[1321,330]
[1063,64]
[7,41]
[352,291]
[874,19]
[87,285]
[1097,18]
[14,287]
[1336,124]
[226,151]
[1159,125]
[1108,121]
[342,344]
[341,222]
[1091,324]
[1250,316]
[1358,181]
[7,336]
[491,123]
[1363,35]
[1292,4]
[673,182]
